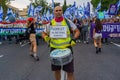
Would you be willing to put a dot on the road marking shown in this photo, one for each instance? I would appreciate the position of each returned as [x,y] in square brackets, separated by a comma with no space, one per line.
[1,56]
[25,44]
[115,44]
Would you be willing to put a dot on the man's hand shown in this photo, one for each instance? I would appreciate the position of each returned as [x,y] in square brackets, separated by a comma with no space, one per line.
[73,42]
[45,37]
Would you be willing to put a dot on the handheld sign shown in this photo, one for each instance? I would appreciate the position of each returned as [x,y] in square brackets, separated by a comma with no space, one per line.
[58,31]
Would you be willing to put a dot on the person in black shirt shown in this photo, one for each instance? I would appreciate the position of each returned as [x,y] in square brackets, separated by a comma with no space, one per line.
[32,38]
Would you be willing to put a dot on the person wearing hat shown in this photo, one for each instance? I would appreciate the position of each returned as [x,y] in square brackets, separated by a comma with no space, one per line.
[32,38]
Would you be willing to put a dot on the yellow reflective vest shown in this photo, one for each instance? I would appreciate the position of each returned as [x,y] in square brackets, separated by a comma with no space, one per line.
[60,43]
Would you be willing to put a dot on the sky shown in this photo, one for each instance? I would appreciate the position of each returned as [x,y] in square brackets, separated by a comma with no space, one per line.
[23,3]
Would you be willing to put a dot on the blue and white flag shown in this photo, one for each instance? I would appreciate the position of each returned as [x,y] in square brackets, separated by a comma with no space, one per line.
[53,4]
[84,7]
[9,11]
[118,4]
[80,10]
[71,12]
[87,10]
[39,18]
[1,12]
[84,16]
[72,9]
[44,17]
[48,14]
[106,14]
[10,15]
[1,20]
[51,16]
[31,10]
[99,6]
[38,8]
[76,15]
[6,19]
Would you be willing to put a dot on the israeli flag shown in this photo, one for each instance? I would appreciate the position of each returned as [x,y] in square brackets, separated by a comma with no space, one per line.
[6,19]
[48,14]
[118,4]
[53,4]
[0,19]
[44,17]
[10,15]
[99,6]
[38,8]
[31,10]
[76,15]
[87,10]
[9,11]
[80,10]
[1,12]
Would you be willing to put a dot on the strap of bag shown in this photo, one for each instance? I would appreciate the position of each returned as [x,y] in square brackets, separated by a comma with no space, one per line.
[68,24]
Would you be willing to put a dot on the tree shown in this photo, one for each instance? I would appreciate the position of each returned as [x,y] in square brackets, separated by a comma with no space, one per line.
[104,4]
[42,3]
[64,6]
[57,4]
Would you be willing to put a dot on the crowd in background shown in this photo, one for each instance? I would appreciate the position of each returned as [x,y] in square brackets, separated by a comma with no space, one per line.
[83,25]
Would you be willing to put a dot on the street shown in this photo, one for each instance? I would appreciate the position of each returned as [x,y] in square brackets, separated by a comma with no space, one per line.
[16,64]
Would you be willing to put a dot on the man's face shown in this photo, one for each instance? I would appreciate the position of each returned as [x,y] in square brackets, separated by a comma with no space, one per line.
[58,11]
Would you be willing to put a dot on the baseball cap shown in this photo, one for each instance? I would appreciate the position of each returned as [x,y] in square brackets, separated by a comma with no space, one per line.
[30,19]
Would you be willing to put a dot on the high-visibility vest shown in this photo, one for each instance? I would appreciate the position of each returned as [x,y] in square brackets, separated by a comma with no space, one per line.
[60,43]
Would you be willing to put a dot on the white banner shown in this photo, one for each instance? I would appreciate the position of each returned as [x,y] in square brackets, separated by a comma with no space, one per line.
[58,31]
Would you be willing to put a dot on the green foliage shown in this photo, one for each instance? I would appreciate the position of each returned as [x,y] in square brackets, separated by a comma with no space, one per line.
[57,4]
[42,3]
[64,6]
[45,5]
[104,4]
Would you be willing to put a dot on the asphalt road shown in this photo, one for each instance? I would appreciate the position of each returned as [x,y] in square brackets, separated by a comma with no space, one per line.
[16,64]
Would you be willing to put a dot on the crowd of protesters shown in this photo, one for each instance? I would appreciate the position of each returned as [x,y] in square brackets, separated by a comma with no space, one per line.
[17,37]
[83,24]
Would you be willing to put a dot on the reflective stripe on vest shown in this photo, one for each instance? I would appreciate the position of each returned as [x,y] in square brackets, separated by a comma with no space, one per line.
[60,43]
